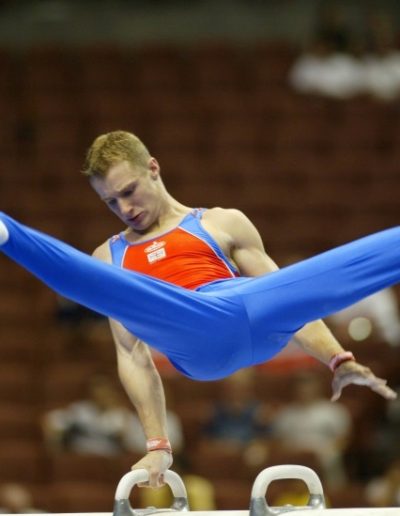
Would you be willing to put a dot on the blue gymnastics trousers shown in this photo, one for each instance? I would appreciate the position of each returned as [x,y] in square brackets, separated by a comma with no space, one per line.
[225,325]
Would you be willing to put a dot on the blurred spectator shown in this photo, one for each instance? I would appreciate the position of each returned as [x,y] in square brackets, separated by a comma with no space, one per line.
[240,422]
[384,491]
[380,34]
[238,416]
[340,65]
[313,423]
[16,499]
[382,59]
[322,71]
[386,442]
[333,29]
[377,314]
[101,424]
[327,67]
[382,75]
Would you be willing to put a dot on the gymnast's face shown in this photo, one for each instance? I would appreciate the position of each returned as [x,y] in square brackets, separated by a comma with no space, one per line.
[133,193]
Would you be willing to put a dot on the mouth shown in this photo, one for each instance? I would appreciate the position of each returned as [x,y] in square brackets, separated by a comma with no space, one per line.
[137,218]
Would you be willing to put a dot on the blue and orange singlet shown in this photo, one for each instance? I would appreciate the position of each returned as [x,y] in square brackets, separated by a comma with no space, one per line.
[186,255]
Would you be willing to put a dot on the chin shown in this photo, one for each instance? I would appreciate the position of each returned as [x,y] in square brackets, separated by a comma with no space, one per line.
[140,227]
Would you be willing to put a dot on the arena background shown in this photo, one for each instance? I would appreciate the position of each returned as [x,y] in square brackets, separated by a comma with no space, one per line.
[205,85]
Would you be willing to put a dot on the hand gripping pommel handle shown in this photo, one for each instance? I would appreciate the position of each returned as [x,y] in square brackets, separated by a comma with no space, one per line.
[258,503]
[122,506]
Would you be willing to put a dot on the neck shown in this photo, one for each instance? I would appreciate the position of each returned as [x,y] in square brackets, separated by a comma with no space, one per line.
[171,209]
[169,214]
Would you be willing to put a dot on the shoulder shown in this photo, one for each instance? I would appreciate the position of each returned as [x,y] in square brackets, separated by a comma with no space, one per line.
[103,252]
[228,225]
[229,218]
[234,223]
[223,213]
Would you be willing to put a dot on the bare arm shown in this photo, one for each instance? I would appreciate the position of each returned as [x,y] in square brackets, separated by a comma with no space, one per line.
[143,385]
[314,338]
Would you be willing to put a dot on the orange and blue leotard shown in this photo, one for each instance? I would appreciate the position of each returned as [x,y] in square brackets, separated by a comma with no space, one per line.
[208,330]
[186,256]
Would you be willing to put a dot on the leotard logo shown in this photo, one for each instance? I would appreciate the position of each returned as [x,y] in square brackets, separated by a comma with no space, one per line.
[155,251]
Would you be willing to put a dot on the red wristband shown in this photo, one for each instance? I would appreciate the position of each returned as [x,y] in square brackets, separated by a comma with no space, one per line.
[339,358]
[158,443]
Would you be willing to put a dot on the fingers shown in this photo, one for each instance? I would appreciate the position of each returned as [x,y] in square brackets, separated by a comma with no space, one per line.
[336,391]
[361,377]
[337,388]
[156,476]
[156,479]
[377,385]
[383,390]
[156,464]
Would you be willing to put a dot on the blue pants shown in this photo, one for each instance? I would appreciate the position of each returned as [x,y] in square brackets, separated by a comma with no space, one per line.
[223,326]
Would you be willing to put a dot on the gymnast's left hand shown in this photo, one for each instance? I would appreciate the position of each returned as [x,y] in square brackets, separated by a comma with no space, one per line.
[156,464]
[354,373]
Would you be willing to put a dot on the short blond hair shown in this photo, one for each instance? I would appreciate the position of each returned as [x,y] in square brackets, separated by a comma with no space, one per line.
[111,148]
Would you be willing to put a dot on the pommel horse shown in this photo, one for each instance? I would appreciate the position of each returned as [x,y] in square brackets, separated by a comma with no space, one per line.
[258,505]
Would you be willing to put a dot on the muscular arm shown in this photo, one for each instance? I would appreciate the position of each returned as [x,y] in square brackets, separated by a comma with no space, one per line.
[315,338]
[141,380]
[143,385]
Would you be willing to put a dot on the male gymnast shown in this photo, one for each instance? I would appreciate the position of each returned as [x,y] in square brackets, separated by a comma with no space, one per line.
[199,287]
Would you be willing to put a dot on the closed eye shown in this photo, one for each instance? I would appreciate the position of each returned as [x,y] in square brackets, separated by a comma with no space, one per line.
[123,194]
[127,193]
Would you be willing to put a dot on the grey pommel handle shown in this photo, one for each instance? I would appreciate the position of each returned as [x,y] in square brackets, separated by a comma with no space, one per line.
[258,503]
[122,506]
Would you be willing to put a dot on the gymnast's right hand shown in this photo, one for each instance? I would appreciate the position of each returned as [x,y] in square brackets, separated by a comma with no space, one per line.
[156,463]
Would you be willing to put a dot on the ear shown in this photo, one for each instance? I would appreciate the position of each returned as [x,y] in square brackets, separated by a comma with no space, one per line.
[154,168]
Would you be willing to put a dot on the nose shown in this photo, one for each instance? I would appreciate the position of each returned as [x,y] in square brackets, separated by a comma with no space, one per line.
[124,207]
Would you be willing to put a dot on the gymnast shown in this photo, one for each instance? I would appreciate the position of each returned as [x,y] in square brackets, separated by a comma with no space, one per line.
[198,286]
